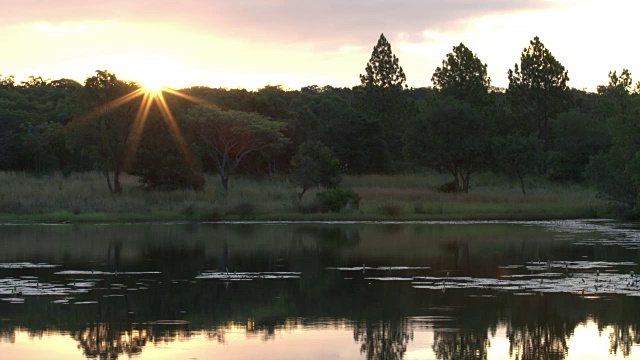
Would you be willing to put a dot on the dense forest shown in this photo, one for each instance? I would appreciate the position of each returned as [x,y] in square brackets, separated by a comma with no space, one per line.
[460,126]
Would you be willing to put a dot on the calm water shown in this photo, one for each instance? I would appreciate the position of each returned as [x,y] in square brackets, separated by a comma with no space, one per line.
[531,290]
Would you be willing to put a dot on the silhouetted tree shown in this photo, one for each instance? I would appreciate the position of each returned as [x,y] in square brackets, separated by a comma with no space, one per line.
[538,89]
[315,165]
[231,135]
[381,97]
[463,76]
[105,127]
[450,137]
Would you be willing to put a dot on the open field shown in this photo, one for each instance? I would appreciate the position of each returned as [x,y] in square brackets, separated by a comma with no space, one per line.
[85,197]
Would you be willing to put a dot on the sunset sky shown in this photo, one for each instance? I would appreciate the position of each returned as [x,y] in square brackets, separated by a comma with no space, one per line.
[295,43]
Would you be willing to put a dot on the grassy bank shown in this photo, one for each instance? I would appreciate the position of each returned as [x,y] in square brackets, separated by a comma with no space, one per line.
[85,197]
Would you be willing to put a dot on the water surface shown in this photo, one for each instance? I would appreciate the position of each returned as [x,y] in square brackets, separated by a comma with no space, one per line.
[454,290]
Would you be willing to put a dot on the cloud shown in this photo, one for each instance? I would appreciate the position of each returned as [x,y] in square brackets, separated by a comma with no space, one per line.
[327,23]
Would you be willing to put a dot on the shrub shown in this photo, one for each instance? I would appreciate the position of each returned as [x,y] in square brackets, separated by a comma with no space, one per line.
[335,200]
[315,165]
[449,187]
[212,215]
[245,210]
[419,208]
[391,209]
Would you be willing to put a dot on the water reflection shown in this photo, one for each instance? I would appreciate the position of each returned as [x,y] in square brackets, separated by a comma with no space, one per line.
[117,289]
[386,339]
[461,343]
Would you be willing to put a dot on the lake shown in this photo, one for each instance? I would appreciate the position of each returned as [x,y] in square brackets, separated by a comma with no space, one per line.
[434,290]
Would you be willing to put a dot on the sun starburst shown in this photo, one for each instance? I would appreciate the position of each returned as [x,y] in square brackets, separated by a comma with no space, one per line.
[152,93]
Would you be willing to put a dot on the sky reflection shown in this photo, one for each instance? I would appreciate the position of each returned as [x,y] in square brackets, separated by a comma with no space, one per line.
[299,342]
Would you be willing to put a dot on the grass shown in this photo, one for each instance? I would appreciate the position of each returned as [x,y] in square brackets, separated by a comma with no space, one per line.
[85,197]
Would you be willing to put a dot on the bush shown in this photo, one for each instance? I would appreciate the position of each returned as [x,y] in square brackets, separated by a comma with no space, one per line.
[393,210]
[245,210]
[315,165]
[212,215]
[449,187]
[335,200]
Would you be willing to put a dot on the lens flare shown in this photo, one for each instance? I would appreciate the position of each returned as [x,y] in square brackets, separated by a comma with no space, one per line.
[152,94]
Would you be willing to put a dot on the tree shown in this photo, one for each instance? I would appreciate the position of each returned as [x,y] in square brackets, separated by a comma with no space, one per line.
[616,173]
[160,163]
[516,155]
[315,165]
[463,76]
[382,98]
[538,90]
[229,136]
[37,139]
[450,137]
[577,137]
[329,115]
[383,70]
[7,81]
[103,130]
[613,96]
[7,135]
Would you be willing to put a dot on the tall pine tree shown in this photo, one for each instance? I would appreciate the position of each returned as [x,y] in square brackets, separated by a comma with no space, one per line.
[383,100]
[383,70]
[463,76]
[538,90]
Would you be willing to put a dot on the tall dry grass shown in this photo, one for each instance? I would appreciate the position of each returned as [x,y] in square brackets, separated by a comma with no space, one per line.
[402,197]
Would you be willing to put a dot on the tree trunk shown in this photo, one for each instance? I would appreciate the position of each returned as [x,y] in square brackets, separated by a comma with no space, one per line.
[106,175]
[117,187]
[304,189]
[521,183]
[456,181]
[465,182]
[225,181]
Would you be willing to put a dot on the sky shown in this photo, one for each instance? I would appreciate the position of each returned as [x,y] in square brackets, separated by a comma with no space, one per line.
[295,43]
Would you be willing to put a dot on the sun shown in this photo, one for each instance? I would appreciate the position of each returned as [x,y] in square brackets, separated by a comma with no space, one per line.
[153,85]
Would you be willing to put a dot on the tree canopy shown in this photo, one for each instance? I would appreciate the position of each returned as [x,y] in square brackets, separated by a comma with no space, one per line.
[383,69]
[538,89]
[462,76]
[229,136]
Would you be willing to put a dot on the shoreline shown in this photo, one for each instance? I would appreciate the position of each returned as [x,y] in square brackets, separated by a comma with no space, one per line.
[62,218]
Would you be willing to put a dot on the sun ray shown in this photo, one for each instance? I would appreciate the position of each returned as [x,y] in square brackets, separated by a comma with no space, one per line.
[103,109]
[149,97]
[187,97]
[138,126]
[170,120]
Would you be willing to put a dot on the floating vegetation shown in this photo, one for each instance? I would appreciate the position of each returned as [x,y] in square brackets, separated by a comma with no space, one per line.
[581,283]
[389,278]
[92,272]
[87,284]
[26,265]
[14,300]
[381,268]
[244,276]
[608,233]
[28,287]
[85,302]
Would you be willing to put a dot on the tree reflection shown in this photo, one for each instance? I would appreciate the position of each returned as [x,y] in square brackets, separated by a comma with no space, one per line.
[461,344]
[386,339]
[538,341]
[622,339]
[105,341]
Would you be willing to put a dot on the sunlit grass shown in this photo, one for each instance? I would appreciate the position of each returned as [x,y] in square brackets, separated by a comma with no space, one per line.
[85,197]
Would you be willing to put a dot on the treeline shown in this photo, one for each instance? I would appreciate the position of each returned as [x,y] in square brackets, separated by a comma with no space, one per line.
[461,126]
